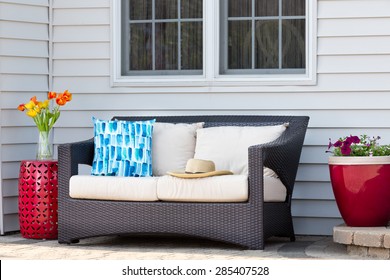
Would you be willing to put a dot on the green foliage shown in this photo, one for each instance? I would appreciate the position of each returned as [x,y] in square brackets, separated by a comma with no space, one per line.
[358,146]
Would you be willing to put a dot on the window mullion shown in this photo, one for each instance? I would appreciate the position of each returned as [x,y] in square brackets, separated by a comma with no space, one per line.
[253,34]
[280,34]
[178,35]
[210,39]
[154,34]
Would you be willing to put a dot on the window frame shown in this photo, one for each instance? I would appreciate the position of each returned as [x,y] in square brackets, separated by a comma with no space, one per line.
[211,78]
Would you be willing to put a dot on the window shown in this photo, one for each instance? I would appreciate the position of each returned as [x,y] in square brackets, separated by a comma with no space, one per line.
[262,36]
[214,42]
[162,37]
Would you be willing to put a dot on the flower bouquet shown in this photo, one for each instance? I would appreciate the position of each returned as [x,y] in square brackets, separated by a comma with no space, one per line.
[44,118]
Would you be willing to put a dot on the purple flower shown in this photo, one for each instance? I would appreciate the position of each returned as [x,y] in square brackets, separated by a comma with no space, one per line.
[353,139]
[338,144]
[345,150]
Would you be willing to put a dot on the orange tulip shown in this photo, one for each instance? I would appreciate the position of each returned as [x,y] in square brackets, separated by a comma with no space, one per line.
[67,95]
[60,100]
[34,99]
[63,98]
[51,94]
[21,107]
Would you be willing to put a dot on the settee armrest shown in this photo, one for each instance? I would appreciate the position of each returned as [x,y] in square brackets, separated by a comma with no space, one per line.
[70,155]
[281,155]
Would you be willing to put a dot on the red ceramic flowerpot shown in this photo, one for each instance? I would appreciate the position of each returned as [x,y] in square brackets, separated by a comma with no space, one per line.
[361,186]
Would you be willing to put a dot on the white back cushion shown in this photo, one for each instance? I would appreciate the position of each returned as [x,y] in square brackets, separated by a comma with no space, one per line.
[228,146]
[172,146]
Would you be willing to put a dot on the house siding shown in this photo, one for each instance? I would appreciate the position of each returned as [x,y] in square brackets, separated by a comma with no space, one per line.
[351,96]
[24,57]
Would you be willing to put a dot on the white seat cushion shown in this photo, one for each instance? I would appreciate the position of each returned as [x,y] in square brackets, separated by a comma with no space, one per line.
[227,188]
[113,188]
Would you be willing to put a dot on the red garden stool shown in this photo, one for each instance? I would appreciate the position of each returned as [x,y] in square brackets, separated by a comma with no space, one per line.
[38,192]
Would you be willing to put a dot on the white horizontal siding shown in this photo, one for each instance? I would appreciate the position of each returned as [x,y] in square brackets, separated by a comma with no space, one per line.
[348,27]
[24,48]
[346,77]
[77,50]
[24,60]
[24,13]
[353,45]
[354,64]
[9,189]
[24,30]
[81,4]
[91,16]
[353,9]
[44,3]
[351,95]
[88,33]
[91,67]
[24,65]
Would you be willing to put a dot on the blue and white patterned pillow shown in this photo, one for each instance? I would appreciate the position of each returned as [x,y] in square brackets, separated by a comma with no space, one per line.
[122,148]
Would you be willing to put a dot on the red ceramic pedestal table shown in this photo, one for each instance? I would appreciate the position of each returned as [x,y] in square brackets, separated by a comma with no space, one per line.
[38,192]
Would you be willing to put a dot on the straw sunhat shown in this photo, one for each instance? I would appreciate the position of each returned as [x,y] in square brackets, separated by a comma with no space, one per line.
[199,168]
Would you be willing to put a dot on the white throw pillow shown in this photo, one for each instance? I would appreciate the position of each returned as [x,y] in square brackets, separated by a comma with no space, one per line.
[228,146]
[172,146]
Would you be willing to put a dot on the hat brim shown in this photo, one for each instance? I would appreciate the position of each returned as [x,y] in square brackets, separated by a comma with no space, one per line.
[183,174]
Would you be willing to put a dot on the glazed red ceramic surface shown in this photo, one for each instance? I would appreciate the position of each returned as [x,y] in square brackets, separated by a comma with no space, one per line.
[38,194]
[361,186]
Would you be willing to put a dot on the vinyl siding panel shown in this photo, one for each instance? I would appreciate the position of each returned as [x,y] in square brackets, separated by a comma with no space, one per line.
[24,30]
[81,4]
[23,12]
[353,45]
[24,48]
[90,16]
[352,75]
[95,50]
[87,33]
[24,72]
[352,94]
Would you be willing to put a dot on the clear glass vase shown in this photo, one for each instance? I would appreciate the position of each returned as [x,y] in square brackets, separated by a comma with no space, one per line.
[45,146]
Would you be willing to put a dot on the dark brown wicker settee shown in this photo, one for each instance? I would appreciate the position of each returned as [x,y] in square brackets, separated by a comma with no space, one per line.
[247,224]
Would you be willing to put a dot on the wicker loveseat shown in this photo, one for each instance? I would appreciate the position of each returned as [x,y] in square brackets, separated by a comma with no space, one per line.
[244,223]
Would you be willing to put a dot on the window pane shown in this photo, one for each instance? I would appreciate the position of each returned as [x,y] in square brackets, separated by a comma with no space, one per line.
[166,46]
[293,8]
[140,9]
[267,44]
[240,8]
[166,9]
[141,46]
[191,9]
[240,45]
[265,8]
[191,45]
[293,39]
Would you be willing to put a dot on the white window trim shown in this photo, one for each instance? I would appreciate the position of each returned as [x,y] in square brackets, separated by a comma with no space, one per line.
[211,77]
